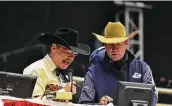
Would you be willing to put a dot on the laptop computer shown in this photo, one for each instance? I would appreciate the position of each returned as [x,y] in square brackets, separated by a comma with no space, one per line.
[16,85]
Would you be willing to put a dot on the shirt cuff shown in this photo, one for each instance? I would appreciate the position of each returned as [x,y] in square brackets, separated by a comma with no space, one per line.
[61,90]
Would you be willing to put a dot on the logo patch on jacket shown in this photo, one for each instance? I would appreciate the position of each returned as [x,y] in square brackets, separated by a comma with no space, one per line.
[86,87]
[136,75]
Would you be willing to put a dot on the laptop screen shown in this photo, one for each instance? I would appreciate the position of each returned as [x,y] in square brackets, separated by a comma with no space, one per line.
[16,85]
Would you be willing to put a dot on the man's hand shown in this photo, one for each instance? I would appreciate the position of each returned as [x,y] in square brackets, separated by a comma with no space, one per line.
[105,100]
[61,100]
[68,87]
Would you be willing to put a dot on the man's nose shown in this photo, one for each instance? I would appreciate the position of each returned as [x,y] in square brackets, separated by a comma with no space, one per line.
[115,46]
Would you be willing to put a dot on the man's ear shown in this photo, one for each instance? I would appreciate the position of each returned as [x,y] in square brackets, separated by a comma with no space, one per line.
[53,47]
[126,42]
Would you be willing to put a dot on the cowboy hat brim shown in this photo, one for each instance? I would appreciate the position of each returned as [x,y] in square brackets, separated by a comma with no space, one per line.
[115,40]
[81,49]
[48,39]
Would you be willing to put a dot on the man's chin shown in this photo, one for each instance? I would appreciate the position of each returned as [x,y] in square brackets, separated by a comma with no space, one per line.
[116,59]
[64,67]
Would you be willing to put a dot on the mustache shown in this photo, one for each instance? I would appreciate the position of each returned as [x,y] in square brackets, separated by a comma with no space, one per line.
[114,51]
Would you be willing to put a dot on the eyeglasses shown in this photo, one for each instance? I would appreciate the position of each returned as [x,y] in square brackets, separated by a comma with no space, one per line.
[67,51]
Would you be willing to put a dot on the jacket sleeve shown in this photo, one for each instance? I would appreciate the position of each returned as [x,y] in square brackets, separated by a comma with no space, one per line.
[148,78]
[88,91]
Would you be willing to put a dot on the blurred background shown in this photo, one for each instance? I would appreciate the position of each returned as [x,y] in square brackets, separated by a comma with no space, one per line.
[21,22]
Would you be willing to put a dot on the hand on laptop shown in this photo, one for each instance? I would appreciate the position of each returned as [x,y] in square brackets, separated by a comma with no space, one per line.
[105,100]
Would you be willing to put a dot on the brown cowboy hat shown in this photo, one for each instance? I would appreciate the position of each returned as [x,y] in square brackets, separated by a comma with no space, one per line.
[66,37]
[115,33]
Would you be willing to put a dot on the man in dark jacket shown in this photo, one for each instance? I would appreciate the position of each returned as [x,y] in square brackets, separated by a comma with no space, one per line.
[113,63]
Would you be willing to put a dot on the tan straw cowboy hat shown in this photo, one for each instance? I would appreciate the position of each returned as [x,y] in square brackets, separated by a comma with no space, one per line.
[115,33]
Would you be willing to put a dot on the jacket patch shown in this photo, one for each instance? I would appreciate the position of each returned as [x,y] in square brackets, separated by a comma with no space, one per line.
[136,75]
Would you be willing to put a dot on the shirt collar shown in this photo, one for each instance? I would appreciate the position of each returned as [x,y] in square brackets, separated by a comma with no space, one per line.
[50,64]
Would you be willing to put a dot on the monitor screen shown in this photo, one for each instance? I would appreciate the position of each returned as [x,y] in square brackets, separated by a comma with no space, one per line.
[134,94]
[16,85]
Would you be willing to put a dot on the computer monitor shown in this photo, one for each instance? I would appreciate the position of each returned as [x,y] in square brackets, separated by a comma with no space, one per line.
[16,85]
[134,94]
